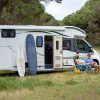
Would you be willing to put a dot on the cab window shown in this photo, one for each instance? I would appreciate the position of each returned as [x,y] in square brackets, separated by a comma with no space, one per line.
[82,46]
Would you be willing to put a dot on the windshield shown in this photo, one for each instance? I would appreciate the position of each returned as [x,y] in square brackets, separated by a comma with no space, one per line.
[83,47]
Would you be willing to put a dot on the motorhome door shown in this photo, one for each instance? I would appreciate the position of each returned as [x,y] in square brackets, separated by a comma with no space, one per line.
[57,51]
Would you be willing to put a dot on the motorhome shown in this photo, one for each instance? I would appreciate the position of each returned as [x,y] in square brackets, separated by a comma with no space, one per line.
[56,46]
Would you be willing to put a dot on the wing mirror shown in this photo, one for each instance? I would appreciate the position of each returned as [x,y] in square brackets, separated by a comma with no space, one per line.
[90,49]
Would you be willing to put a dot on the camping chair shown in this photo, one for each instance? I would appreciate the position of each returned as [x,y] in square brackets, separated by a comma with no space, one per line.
[82,67]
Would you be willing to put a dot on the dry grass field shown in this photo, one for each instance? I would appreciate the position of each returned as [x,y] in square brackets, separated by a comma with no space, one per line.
[51,86]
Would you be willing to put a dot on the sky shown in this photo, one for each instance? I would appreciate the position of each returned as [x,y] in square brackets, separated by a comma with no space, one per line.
[67,7]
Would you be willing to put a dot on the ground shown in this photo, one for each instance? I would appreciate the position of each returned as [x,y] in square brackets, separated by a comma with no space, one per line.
[52,86]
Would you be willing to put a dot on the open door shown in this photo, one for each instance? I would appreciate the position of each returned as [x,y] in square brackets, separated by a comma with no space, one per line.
[48,51]
[57,51]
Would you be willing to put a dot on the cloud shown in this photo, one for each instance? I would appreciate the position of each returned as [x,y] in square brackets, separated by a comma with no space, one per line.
[59,11]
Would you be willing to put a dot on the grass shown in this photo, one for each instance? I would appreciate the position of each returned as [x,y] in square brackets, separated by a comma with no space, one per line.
[15,83]
[54,86]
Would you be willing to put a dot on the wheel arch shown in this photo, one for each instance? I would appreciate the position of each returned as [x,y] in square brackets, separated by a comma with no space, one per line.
[95,60]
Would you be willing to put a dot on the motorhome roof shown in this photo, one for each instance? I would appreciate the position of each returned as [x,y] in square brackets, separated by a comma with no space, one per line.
[33,27]
[74,32]
[75,28]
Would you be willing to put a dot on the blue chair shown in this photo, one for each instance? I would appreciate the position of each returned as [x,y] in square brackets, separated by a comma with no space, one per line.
[83,67]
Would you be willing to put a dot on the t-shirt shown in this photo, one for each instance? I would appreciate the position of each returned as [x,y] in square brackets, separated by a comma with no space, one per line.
[79,61]
[89,60]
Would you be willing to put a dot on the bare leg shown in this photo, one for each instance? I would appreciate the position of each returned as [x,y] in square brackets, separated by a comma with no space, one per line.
[97,68]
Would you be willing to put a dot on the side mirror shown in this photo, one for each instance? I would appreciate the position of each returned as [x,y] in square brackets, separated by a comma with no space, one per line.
[90,49]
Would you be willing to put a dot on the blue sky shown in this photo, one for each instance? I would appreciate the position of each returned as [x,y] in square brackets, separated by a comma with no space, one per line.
[59,11]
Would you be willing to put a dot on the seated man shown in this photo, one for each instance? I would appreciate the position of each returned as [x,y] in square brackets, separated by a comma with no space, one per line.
[92,63]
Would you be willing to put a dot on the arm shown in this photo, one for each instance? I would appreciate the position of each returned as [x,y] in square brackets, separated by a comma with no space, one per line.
[78,61]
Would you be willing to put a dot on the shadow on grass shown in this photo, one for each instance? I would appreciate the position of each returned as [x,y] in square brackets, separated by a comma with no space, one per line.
[71,82]
[12,73]
[7,73]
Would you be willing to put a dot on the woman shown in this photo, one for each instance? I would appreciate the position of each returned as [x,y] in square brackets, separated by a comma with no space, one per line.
[78,61]
[80,64]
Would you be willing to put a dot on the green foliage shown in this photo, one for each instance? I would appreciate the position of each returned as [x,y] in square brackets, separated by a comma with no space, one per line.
[88,18]
[46,1]
[47,19]
[24,12]
[21,12]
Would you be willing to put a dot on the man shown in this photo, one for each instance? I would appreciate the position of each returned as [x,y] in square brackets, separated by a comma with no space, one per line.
[89,60]
[92,63]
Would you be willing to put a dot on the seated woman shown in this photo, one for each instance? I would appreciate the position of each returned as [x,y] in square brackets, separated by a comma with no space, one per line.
[80,64]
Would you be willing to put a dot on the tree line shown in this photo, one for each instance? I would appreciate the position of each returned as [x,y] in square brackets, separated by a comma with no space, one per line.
[33,12]
[25,12]
[87,18]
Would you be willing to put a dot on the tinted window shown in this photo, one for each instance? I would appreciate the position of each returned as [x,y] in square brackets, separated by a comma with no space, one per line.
[66,44]
[82,46]
[8,33]
[57,45]
[39,41]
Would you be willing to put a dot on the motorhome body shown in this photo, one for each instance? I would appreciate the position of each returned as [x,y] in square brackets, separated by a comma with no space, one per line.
[55,46]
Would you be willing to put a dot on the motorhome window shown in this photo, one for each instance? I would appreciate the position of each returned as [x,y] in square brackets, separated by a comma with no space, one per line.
[8,33]
[66,44]
[39,41]
[57,45]
[82,46]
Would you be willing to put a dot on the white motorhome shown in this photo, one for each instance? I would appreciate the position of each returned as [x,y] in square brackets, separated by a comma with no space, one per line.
[56,46]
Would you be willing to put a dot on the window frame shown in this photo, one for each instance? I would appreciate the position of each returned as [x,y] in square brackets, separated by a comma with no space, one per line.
[37,45]
[68,39]
[8,34]
[57,45]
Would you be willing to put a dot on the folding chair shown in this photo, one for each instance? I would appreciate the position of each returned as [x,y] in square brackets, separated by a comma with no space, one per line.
[83,67]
